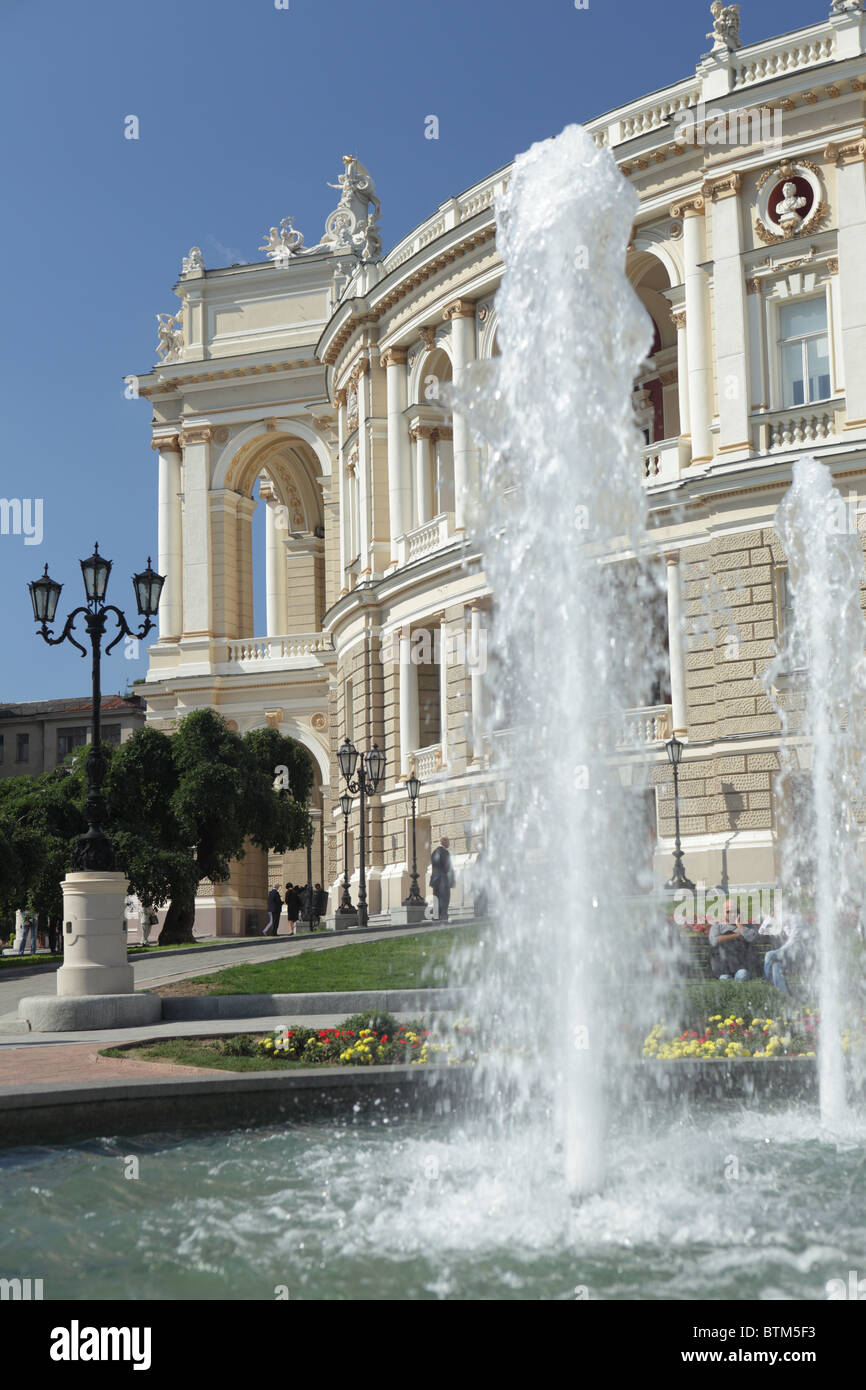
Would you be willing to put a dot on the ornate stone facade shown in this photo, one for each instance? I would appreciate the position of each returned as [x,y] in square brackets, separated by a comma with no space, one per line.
[375,587]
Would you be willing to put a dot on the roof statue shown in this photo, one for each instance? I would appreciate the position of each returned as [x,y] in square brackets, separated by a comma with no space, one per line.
[192,263]
[726,25]
[170,344]
[351,229]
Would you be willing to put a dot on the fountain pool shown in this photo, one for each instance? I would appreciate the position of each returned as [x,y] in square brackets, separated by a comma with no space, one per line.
[717,1203]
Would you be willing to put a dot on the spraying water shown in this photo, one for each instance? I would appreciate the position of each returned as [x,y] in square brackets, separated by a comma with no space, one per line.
[565,497]
[823,656]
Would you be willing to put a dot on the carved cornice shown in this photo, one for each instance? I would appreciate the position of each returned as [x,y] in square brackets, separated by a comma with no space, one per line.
[168,444]
[689,207]
[406,286]
[460,309]
[196,434]
[850,153]
[726,186]
[393,357]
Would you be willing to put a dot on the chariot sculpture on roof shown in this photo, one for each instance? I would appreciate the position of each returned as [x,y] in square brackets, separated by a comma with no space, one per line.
[349,230]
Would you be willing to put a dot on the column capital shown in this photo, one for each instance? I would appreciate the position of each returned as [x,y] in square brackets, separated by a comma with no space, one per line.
[196,434]
[393,357]
[672,557]
[417,432]
[361,368]
[725,186]
[340,397]
[689,207]
[678,318]
[168,444]
[459,309]
[850,153]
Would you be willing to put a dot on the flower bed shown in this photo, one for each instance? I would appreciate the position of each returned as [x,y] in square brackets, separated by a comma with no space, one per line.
[381,1040]
[734,1037]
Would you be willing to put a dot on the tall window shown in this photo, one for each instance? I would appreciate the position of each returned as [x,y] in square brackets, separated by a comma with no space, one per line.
[22,748]
[349,709]
[68,739]
[2,747]
[804,352]
[111,735]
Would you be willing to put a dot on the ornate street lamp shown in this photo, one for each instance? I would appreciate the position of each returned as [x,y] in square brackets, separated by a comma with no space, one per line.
[678,877]
[346,900]
[413,787]
[371,769]
[93,852]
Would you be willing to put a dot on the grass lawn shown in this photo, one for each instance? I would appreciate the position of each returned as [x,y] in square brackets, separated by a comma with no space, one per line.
[407,962]
[200,1052]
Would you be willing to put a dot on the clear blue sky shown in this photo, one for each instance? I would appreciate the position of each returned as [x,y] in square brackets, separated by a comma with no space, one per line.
[245,111]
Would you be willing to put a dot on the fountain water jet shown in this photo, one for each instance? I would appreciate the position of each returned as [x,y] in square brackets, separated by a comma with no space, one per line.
[825,649]
[568,648]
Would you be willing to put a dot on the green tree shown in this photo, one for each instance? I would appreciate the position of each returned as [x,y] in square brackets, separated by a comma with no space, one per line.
[182,806]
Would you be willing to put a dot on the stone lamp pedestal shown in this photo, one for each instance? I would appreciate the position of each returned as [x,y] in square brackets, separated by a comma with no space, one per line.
[94,936]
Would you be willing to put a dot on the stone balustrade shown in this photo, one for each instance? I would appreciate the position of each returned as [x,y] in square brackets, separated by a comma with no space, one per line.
[254,653]
[641,728]
[661,462]
[428,761]
[424,540]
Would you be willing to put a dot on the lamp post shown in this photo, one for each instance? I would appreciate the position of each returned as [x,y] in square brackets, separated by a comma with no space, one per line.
[308,891]
[95,958]
[678,877]
[345,907]
[94,852]
[371,768]
[413,787]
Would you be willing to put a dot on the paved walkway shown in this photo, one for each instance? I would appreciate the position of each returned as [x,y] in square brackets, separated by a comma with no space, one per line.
[49,1058]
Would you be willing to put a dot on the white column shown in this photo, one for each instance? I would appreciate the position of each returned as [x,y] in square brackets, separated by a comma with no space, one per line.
[409,717]
[443,690]
[196,532]
[475,661]
[277,598]
[365,472]
[399,447]
[692,213]
[679,716]
[462,316]
[170,543]
[679,318]
[732,339]
[423,489]
[343,489]
[851,204]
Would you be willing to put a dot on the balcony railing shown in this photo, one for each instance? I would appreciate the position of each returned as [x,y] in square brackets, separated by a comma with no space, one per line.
[424,540]
[428,761]
[793,428]
[661,462]
[275,653]
[641,728]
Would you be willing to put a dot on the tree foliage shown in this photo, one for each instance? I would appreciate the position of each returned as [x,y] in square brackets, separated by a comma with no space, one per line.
[181,807]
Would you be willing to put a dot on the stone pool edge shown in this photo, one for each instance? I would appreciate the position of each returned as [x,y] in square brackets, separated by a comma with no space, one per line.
[73,1111]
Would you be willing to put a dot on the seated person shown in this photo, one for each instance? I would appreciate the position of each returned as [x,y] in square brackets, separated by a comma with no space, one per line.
[731,950]
[794,955]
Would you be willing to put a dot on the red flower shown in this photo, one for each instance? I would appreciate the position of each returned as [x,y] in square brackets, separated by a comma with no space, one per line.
[384,1038]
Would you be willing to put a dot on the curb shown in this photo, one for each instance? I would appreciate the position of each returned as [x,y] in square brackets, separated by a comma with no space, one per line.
[186,1010]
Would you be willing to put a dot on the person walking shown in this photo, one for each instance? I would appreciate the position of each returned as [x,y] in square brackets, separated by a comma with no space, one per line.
[275,907]
[293,906]
[442,876]
[28,931]
[320,904]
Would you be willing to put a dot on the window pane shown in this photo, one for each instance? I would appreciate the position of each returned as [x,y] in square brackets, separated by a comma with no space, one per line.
[819,368]
[802,317]
[111,735]
[793,391]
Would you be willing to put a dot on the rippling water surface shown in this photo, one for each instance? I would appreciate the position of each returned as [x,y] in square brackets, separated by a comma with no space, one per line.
[721,1205]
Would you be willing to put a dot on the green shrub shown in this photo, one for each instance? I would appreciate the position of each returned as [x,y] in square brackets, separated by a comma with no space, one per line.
[379,1022]
[696,1003]
[241,1046]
